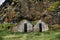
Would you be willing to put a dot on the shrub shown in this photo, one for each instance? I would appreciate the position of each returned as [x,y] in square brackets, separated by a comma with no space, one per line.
[53,6]
[54,26]
[6,26]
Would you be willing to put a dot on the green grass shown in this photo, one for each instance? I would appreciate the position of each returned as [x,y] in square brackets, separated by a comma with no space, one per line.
[49,35]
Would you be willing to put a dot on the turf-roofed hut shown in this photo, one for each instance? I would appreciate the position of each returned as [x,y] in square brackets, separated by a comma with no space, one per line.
[23,26]
[40,26]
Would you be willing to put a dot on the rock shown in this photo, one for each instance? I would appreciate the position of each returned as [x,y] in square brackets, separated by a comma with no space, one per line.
[24,26]
[40,26]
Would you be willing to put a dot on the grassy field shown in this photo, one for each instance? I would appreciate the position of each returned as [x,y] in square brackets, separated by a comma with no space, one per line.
[49,35]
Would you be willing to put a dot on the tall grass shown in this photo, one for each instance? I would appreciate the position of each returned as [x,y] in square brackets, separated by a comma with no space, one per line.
[48,35]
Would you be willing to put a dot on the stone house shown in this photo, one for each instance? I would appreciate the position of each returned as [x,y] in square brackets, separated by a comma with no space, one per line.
[23,26]
[40,26]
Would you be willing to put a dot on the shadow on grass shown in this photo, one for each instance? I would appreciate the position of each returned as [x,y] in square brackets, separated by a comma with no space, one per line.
[1,38]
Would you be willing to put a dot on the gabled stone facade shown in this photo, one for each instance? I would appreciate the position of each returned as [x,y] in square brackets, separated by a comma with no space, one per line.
[24,26]
[40,26]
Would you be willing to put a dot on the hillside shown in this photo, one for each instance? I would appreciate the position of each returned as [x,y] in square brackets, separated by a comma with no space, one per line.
[32,10]
[30,20]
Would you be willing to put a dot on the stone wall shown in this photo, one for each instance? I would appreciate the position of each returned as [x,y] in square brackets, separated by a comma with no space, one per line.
[43,27]
[20,27]
[29,27]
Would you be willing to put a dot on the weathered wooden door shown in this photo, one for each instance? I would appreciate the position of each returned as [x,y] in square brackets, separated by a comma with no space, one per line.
[40,27]
[25,27]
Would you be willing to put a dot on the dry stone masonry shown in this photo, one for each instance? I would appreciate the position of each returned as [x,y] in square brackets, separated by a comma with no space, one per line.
[26,26]
[40,26]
